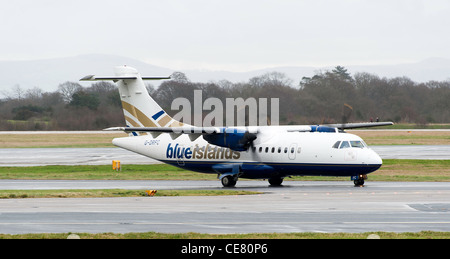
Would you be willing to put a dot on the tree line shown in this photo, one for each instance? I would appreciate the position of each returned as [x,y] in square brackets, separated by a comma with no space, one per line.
[327,97]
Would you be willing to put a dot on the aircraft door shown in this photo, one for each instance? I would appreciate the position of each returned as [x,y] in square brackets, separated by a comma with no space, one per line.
[292,151]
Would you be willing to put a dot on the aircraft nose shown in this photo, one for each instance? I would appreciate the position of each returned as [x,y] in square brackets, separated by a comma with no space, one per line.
[375,159]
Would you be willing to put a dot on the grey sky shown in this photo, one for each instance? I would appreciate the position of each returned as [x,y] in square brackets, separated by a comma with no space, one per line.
[231,35]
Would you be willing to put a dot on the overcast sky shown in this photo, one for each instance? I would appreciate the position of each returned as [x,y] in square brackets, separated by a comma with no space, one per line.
[228,34]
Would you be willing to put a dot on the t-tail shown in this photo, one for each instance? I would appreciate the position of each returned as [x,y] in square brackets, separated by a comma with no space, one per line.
[139,108]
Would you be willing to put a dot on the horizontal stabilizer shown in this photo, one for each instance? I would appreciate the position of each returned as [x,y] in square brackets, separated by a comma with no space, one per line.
[117,78]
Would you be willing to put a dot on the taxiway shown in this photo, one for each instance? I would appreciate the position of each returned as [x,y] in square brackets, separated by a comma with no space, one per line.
[298,206]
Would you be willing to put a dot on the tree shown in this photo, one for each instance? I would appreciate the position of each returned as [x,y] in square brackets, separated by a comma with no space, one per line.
[26,112]
[17,93]
[84,99]
[67,89]
[179,77]
[34,94]
[342,73]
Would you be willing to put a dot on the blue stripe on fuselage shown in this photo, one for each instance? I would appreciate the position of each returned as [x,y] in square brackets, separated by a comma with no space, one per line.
[255,170]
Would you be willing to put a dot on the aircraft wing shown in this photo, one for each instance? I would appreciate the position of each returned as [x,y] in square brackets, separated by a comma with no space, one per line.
[177,130]
[333,127]
[359,125]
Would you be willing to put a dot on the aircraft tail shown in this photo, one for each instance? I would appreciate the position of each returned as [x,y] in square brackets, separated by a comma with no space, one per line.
[139,108]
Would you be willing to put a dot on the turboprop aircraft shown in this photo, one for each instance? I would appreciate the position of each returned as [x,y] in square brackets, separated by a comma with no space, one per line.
[254,152]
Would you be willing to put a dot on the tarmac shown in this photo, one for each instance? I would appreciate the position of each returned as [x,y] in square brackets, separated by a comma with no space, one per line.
[297,206]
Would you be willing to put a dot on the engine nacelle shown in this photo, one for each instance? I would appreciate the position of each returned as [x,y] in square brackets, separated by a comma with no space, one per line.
[323,129]
[234,139]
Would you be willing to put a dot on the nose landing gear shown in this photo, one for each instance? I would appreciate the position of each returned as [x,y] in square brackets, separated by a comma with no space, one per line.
[358,180]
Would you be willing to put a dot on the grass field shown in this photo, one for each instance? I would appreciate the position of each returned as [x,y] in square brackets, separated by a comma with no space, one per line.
[406,137]
[58,140]
[392,170]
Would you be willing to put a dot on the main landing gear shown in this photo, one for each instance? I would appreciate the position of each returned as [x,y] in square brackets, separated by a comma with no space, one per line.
[358,180]
[229,180]
[275,181]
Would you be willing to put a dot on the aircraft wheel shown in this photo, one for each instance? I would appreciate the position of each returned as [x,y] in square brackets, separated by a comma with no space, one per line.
[359,182]
[276,181]
[228,181]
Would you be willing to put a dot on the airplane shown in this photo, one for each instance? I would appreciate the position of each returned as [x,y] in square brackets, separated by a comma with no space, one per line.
[252,152]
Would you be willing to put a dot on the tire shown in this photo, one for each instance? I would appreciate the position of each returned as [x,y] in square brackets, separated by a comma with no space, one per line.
[228,181]
[277,181]
[359,182]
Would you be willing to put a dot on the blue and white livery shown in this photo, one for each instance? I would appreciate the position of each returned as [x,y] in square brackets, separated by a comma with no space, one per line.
[254,152]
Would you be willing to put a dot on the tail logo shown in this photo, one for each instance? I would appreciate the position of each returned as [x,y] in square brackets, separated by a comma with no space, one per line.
[160,119]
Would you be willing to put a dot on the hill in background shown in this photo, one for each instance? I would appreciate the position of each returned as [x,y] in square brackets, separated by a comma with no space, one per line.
[48,74]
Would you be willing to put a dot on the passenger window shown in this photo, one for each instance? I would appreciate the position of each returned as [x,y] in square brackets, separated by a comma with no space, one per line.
[267,149]
[273,150]
[292,150]
[279,150]
[285,150]
[345,144]
[299,150]
[260,149]
[336,145]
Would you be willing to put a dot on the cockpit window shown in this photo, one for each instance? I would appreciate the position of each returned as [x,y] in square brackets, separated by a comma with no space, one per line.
[336,145]
[364,143]
[344,144]
[357,144]
[348,144]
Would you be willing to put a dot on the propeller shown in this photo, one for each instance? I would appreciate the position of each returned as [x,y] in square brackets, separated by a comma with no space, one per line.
[247,139]
[347,111]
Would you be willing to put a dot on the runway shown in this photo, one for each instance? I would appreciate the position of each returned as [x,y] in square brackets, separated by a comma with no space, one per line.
[298,206]
[104,156]
[69,156]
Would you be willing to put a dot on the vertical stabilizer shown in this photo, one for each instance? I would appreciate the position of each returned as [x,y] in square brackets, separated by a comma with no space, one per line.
[139,108]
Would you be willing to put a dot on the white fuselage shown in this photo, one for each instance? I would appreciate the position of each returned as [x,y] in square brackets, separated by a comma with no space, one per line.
[281,153]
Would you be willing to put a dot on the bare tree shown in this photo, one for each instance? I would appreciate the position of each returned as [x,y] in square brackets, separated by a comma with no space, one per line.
[34,94]
[67,90]
[16,93]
